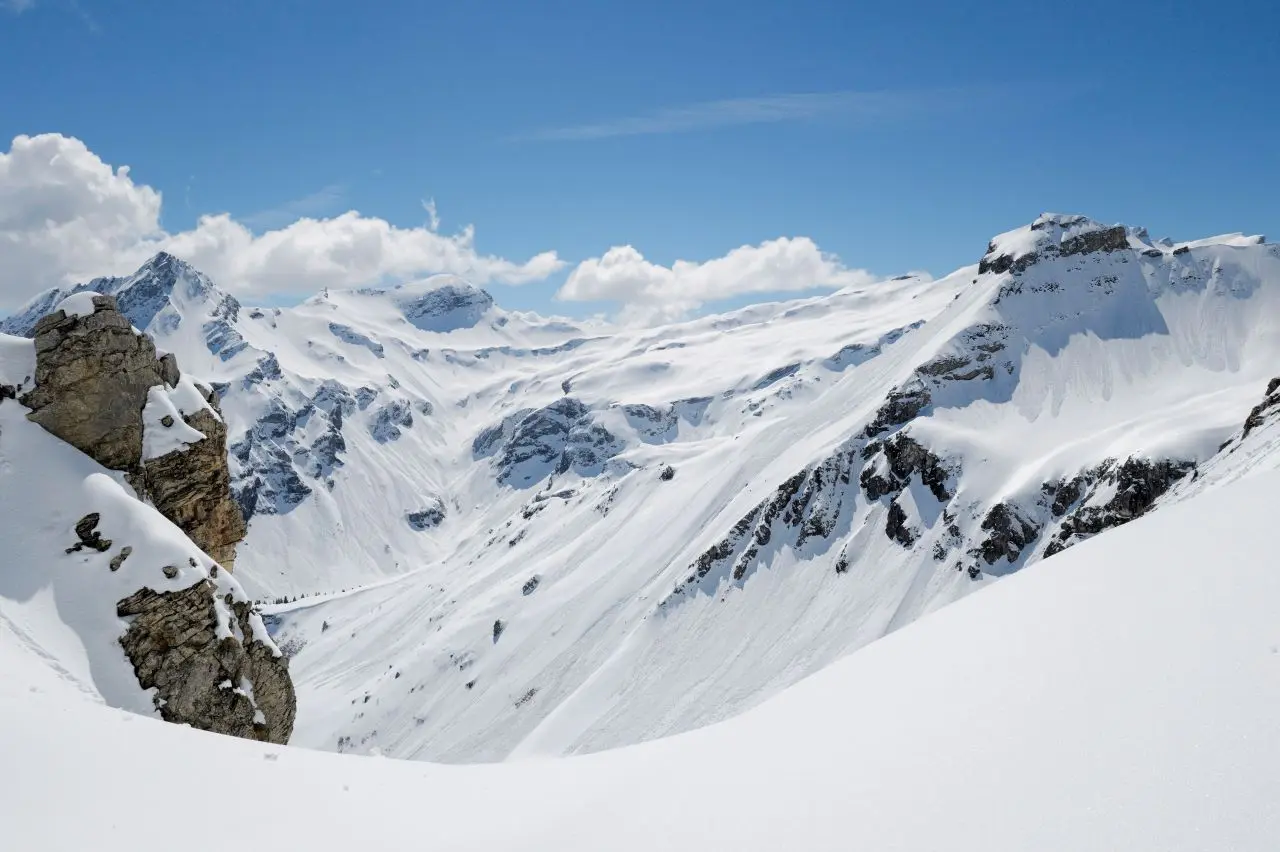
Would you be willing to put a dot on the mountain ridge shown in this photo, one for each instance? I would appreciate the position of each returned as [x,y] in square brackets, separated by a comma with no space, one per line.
[704,512]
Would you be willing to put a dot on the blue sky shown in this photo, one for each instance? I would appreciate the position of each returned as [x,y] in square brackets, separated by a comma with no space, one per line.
[895,136]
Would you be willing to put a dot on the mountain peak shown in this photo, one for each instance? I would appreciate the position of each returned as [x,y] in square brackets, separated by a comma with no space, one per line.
[1057,234]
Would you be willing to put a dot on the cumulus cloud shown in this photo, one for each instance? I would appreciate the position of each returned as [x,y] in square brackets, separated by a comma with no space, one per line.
[66,216]
[648,291]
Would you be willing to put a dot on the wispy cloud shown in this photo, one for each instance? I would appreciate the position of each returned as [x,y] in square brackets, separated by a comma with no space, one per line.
[319,203]
[17,7]
[764,109]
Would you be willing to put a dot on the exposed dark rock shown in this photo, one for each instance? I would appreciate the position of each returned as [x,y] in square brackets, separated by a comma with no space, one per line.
[896,526]
[87,531]
[531,585]
[427,518]
[118,560]
[347,334]
[532,444]
[498,627]
[267,369]
[1264,410]
[1008,532]
[388,421]
[234,685]
[192,488]
[668,473]
[900,406]
[1135,485]
[903,457]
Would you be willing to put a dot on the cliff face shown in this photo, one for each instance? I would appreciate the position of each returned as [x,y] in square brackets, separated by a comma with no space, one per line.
[100,386]
[94,377]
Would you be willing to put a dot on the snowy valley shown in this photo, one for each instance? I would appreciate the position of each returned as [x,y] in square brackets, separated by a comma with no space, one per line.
[480,535]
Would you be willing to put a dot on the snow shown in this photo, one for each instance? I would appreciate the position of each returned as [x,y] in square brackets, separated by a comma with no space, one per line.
[158,439]
[78,304]
[61,606]
[1105,355]
[17,360]
[1120,696]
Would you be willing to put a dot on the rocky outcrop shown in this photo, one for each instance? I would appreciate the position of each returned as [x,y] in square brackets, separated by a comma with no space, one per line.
[192,488]
[100,386]
[1265,410]
[532,444]
[1114,494]
[205,659]
[93,376]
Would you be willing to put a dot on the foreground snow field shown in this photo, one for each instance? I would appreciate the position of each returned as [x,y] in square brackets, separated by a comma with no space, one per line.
[1122,695]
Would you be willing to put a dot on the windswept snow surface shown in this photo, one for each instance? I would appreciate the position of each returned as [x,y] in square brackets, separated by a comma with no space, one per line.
[520,536]
[1120,696]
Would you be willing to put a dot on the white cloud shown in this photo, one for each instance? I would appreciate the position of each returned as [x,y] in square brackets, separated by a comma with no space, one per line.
[66,217]
[433,216]
[648,291]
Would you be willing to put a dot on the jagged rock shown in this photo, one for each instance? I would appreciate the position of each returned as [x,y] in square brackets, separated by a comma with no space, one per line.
[535,443]
[267,368]
[531,585]
[87,532]
[668,473]
[427,518]
[896,526]
[192,488]
[92,378]
[1263,410]
[387,422]
[445,307]
[900,406]
[1009,531]
[213,676]
[653,425]
[903,457]
[117,561]
[1133,485]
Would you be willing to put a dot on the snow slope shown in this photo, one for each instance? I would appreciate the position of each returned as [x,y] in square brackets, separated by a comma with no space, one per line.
[58,599]
[1121,696]
[520,536]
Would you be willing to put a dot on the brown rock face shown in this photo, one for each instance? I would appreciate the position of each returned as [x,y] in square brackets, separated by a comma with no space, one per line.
[192,488]
[92,378]
[91,382]
[228,685]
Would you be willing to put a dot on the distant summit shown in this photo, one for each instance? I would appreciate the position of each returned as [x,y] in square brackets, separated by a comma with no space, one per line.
[140,296]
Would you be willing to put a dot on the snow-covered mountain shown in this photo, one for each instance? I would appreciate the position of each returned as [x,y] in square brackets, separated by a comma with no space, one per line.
[518,536]
[1121,696]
